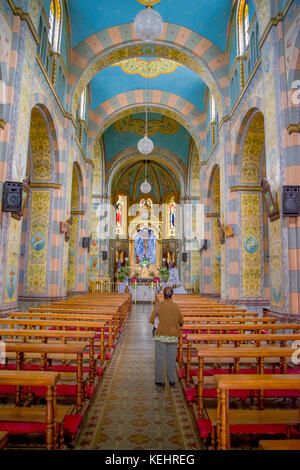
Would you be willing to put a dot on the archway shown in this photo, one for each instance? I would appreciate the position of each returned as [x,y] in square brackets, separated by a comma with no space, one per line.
[36,233]
[215,207]
[76,214]
[254,219]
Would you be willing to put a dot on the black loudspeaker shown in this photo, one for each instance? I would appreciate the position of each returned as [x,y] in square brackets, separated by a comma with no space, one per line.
[104,255]
[12,197]
[204,245]
[86,242]
[291,201]
[184,257]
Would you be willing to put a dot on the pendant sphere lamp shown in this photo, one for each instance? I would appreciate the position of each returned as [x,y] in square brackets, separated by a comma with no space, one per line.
[145,145]
[145,187]
[148,24]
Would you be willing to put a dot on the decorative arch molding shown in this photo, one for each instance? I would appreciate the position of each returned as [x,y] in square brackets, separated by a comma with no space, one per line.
[76,169]
[128,156]
[165,103]
[214,173]
[111,45]
[41,102]
[255,105]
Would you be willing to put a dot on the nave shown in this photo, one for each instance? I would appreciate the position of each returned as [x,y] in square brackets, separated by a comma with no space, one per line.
[128,412]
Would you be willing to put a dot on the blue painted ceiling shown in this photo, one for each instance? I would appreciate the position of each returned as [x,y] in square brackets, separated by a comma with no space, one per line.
[113,80]
[115,142]
[206,17]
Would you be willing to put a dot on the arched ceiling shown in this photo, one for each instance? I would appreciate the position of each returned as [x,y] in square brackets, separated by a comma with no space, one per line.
[209,19]
[130,177]
[181,80]
[163,131]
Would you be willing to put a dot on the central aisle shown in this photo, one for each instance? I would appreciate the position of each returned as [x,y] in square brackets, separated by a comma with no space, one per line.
[128,413]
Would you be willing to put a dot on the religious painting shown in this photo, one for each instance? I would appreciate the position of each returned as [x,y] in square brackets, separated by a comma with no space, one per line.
[145,246]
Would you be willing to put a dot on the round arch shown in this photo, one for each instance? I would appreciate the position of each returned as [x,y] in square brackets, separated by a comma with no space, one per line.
[130,156]
[182,111]
[94,54]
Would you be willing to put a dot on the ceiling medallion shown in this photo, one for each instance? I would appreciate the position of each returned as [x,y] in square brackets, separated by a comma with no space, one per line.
[149,2]
[147,68]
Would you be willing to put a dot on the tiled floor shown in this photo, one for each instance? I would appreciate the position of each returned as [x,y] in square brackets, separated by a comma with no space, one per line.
[128,412]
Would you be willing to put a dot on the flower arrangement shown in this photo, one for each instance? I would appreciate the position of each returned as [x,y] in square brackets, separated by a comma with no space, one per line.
[156,280]
[145,262]
[123,273]
[164,273]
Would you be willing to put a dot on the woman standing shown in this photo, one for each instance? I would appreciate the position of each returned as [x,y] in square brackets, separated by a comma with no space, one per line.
[166,337]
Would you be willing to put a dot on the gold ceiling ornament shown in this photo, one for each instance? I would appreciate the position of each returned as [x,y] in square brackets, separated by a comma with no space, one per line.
[147,68]
[164,126]
[149,3]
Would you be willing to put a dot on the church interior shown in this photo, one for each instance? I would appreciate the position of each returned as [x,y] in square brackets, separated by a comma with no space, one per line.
[145,144]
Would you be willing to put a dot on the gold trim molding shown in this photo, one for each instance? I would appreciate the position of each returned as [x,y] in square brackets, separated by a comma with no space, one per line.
[293,128]
[2,123]
[83,152]
[45,185]
[17,11]
[212,214]
[245,188]
[77,212]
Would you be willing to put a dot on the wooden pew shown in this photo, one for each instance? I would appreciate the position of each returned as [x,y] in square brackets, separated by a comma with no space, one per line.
[280,444]
[206,353]
[60,326]
[44,349]
[48,415]
[221,319]
[226,417]
[220,339]
[3,439]
[54,335]
[71,316]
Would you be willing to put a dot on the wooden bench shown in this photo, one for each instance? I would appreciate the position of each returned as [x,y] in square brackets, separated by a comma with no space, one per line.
[44,349]
[206,353]
[47,415]
[280,444]
[70,316]
[54,336]
[3,439]
[237,339]
[224,418]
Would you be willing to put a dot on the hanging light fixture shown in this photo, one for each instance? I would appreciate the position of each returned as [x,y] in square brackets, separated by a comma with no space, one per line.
[148,24]
[145,146]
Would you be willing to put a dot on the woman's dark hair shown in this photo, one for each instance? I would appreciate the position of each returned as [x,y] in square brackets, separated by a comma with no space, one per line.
[168,292]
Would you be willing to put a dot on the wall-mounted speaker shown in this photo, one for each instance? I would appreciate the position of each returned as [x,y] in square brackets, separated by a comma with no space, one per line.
[12,197]
[104,255]
[203,247]
[86,242]
[184,257]
[291,201]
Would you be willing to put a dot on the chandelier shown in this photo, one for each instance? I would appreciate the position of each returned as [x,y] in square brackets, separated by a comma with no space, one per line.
[148,24]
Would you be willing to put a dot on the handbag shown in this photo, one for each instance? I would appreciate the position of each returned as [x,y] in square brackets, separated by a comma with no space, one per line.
[156,321]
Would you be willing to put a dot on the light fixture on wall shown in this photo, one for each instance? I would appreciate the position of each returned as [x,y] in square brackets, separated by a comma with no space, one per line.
[145,146]
[148,24]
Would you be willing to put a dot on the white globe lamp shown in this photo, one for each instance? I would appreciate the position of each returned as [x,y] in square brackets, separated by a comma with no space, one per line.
[148,24]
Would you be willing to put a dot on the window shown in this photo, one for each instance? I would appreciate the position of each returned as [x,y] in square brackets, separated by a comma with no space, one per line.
[171,217]
[146,203]
[82,105]
[55,24]
[243,26]
[121,214]
[212,108]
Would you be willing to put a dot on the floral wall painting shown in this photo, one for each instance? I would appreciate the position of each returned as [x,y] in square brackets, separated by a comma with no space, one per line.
[13,255]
